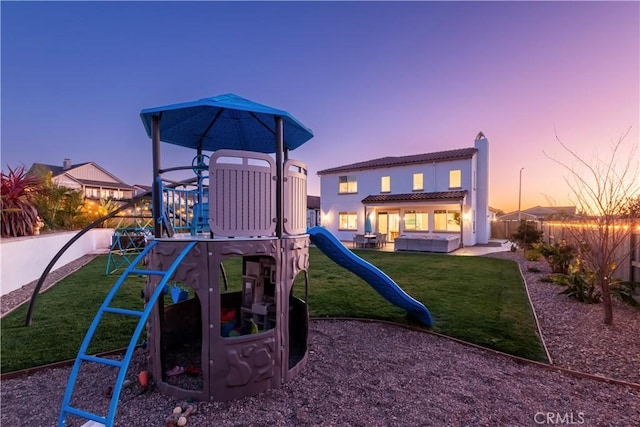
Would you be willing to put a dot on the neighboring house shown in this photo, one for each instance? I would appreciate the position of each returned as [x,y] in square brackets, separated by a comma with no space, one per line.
[313,211]
[94,181]
[494,213]
[517,216]
[546,213]
[507,224]
[140,189]
[435,194]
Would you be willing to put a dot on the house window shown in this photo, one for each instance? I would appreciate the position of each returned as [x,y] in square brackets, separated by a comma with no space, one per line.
[418,182]
[455,178]
[446,220]
[385,184]
[416,221]
[348,221]
[347,185]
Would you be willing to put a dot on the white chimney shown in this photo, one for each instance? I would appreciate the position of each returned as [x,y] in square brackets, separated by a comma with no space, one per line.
[66,164]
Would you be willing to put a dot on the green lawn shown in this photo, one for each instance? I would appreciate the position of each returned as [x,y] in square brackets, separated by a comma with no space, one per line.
[479,300]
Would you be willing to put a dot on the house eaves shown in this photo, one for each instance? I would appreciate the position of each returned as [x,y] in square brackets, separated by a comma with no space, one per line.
[104,184]
[447,196]
[386,162]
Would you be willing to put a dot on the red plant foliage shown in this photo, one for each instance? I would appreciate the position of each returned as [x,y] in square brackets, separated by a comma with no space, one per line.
[19,214]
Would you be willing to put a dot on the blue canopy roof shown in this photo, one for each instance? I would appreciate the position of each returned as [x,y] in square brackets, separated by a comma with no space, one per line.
[225,121]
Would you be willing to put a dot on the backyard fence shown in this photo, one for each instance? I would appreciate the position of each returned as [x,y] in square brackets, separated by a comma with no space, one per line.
[627,256]
[506,229]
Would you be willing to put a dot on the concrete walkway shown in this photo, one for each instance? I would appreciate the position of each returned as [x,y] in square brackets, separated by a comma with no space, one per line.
[492,246]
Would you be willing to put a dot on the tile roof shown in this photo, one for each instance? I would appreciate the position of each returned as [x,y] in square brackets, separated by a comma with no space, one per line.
[384,162]
[57,170]
[414,197]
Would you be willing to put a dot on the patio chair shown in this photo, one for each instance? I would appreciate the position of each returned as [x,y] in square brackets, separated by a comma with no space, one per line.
[359,241]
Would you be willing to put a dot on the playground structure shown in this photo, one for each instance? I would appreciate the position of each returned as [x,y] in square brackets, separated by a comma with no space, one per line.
[130,236]
[226,267]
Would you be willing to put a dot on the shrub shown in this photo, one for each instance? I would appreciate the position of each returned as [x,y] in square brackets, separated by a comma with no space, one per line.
[628,292]
[532,255]
[558,255]
[527,235]
[60,207]
[19,213]
[579,283]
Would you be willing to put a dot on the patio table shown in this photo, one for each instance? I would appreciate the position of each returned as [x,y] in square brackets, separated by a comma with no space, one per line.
[370,240]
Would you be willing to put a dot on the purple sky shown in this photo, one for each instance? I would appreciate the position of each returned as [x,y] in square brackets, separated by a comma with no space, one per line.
[370,79]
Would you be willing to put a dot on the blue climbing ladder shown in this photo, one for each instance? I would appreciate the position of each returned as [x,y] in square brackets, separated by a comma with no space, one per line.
[122,365]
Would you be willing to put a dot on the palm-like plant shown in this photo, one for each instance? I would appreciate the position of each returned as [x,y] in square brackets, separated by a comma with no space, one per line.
[19,214]
[60,207]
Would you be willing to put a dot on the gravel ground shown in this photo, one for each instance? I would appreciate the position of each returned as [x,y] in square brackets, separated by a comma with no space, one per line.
[574,332]
[371,373]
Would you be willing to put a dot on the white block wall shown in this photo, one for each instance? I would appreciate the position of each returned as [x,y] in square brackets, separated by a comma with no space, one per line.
[23,259]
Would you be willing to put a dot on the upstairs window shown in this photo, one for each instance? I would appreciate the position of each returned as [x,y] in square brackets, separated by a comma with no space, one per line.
[418,182]
[455,178]
[348,221]
[347,185]
[385,184]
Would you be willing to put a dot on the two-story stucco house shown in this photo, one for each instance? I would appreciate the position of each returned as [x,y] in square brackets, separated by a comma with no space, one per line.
[442,194]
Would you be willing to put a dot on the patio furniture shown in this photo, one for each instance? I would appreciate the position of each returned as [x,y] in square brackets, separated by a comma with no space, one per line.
[442,244]
[370,240]
[359,241]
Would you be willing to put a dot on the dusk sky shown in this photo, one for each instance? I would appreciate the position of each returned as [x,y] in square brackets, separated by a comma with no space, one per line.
[370,79]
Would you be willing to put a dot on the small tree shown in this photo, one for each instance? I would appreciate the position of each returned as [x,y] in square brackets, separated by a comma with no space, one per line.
[527,235]
[601,189]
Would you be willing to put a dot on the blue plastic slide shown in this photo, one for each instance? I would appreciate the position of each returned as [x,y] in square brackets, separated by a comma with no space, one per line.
[383,284]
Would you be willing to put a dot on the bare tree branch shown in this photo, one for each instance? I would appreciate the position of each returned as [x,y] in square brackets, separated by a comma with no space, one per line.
[602,189]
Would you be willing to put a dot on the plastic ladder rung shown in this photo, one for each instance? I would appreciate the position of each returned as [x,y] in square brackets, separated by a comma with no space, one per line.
[82,356]
[86,415]
[124,311]
[145,272]
[101,360]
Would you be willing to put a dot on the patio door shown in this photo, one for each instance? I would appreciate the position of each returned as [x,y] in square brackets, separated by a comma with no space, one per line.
[389,224]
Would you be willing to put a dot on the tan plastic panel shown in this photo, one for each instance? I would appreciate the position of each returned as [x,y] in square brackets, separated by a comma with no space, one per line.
[295,197]
[242,190]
